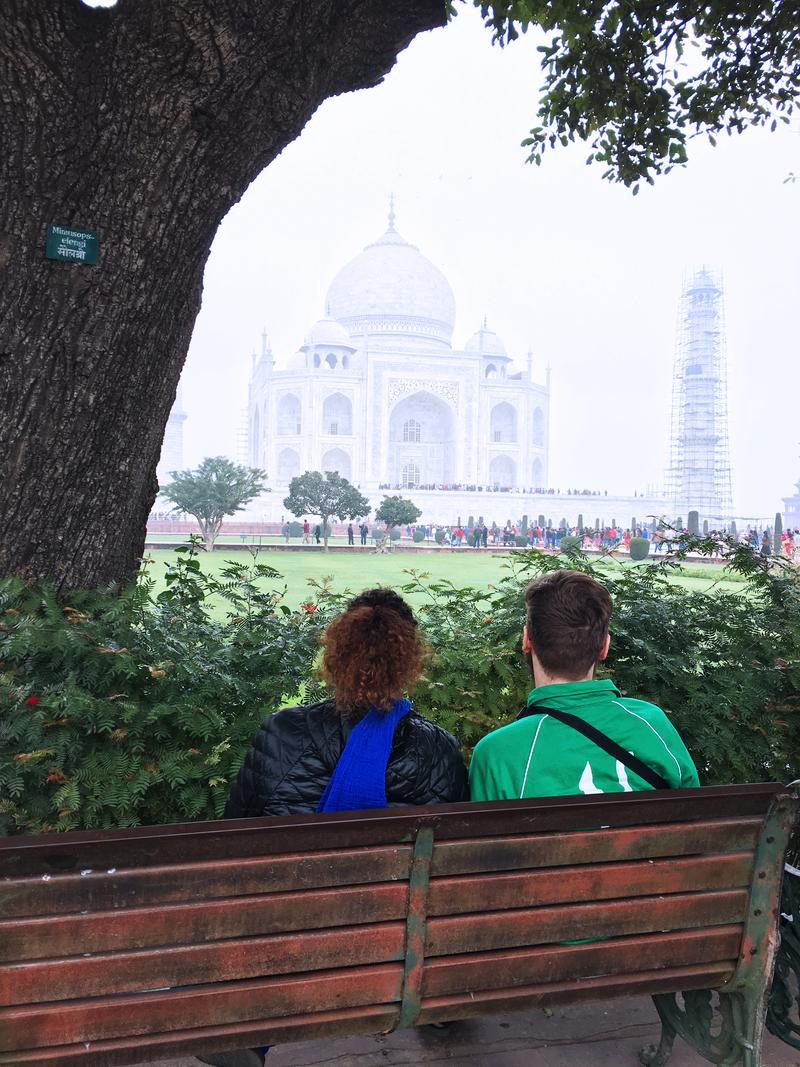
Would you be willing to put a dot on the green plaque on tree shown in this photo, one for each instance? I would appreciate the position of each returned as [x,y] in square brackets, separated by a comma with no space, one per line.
[75,246]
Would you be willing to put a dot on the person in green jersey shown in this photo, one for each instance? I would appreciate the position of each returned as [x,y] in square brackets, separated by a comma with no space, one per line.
[565,635]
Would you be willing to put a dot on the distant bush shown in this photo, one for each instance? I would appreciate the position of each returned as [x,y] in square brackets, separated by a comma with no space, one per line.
[570,544]
[639,548]
[419,536]
[439,537]
[394,533]
[295,529]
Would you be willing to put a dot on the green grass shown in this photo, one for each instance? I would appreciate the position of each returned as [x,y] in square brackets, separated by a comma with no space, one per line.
[361,570]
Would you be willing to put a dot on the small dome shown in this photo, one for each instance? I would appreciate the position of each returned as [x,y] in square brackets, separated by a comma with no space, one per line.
[486,342]
[329,332]
[297,361]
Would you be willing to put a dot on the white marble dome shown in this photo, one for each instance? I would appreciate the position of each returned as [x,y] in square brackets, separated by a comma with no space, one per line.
[486,342]
[391,291]
[328,332]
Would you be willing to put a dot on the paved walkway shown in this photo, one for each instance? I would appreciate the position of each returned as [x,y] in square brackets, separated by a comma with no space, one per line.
[602,1034]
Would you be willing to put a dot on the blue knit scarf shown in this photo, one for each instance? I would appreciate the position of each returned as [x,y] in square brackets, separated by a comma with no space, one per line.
[359,778]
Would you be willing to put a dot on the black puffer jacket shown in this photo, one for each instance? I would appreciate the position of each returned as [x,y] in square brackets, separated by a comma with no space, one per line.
[294,753]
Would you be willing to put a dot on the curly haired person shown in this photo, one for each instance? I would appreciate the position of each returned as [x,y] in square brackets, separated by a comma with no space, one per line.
[364,747]
[373,657]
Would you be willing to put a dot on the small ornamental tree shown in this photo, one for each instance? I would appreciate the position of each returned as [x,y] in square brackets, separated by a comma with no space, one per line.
[395,511]
[216,489]
[327,495]
[639,548]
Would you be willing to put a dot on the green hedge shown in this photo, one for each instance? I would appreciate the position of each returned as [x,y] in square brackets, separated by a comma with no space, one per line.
[138,708]
[639,548]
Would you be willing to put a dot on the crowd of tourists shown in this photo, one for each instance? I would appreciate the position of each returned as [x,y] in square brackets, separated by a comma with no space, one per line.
[459,487]
[365,746]
[549,537]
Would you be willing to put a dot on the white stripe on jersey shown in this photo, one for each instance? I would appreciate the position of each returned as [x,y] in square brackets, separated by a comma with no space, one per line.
[658,735]
[530,757]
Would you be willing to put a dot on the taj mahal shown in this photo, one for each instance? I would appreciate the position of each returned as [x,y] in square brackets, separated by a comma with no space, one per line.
[378,392]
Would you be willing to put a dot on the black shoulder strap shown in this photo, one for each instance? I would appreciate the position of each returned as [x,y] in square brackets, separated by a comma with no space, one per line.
[603,741]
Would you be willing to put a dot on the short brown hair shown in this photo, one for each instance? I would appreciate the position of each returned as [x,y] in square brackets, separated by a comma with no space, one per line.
[373,652]
[567,619]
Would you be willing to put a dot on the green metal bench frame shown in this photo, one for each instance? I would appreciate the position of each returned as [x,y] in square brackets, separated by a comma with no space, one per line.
[783,1013]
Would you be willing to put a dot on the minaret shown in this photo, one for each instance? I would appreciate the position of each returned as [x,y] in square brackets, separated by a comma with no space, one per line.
[791,509]
[699,475]
[172,446]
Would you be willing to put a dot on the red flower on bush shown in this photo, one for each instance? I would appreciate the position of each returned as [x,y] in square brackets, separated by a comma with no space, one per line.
[32,700]
[310,608]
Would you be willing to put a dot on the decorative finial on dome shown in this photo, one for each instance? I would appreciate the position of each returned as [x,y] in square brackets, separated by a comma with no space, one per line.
[264,347]
[391,211]
[485,323]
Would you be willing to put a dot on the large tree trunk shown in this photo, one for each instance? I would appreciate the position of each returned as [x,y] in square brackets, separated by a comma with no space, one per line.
[146,122]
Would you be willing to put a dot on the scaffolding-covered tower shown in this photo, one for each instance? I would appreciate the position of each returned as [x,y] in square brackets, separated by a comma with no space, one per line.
[699,475]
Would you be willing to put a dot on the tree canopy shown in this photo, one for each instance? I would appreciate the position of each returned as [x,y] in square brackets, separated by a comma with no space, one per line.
[327,495]
[216,489]
[397,511]
[637,79]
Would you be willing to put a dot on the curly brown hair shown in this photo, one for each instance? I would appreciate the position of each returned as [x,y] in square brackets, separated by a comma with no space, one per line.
[373,653]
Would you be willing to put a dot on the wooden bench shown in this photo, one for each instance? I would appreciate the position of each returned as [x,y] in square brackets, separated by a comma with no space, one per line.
[126,946]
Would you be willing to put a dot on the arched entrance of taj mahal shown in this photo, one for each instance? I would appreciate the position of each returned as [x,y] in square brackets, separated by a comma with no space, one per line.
[421,447]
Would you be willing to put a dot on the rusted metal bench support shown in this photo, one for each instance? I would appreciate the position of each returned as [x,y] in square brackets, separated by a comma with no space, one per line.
[783,1014]
[731,1031]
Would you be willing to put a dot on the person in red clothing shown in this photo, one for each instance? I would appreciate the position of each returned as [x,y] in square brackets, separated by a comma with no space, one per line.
[306,532]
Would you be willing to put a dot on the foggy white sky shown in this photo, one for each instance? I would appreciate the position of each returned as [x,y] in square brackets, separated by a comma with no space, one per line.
[560,261]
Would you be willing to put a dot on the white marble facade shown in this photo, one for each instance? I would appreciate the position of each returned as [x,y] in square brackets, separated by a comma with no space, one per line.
[378,392]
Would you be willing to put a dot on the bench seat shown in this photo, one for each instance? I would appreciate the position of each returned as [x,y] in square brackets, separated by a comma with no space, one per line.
[126,946]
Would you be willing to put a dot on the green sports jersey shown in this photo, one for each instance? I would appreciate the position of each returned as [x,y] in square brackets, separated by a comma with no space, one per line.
[538,756]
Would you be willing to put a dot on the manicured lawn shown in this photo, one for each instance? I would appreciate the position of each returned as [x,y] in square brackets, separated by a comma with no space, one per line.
[360,570]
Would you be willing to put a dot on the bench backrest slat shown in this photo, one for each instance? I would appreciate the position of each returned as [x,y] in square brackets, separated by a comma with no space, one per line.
[194,963]
[151,927]
[99,889]
[508,968]
[604,987]
[484,892]
[614,918]
[508,852]
[175,1010]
